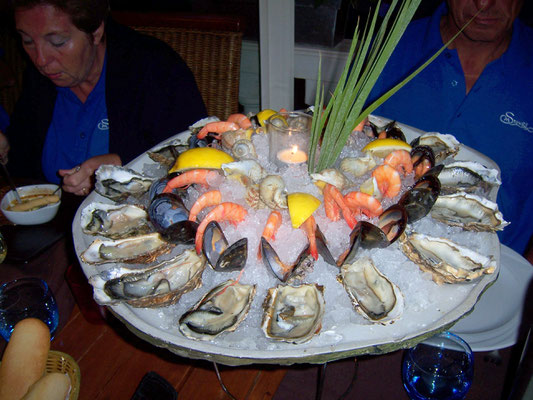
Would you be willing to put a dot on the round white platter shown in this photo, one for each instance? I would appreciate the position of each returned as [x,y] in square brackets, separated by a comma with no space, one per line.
[346,338]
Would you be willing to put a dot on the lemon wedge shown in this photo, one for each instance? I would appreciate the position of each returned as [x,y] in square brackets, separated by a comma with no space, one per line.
[370,186]
[382,147]
[301,207]
[201,157]
[263,115]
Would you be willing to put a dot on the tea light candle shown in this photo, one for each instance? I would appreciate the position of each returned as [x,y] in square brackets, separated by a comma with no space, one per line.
[292,155]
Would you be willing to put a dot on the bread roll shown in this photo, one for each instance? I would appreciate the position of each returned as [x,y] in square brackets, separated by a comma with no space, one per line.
[52,386]
[24,359]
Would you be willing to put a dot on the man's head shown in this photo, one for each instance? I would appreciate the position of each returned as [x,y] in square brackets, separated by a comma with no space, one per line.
[493,23]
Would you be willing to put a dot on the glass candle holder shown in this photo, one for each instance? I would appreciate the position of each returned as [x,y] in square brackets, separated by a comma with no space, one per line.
[289,135]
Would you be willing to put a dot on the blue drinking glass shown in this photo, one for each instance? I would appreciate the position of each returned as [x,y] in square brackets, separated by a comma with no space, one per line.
[440,368]
[27,298]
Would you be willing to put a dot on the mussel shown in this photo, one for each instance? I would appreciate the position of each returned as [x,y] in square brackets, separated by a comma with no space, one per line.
[220,255]
[167,209]
[419,200]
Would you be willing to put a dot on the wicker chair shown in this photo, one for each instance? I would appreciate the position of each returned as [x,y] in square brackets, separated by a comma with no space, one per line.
[15,58]
[209,44]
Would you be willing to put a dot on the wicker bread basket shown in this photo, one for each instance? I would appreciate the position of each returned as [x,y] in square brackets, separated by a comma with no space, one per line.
[62,362]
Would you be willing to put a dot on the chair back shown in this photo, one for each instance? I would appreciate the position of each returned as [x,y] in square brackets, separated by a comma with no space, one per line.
[209,44]
[15,58]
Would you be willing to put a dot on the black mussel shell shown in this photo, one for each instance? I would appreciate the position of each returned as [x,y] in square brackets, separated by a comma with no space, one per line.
[183,232]
[435,171]
[166,209]
[214,242]
[422,153]
[419,200]
[322,247]
[205,142]
[157,187]
[277,267]
[392,222]
[219,254]
[234,257]
[393,131]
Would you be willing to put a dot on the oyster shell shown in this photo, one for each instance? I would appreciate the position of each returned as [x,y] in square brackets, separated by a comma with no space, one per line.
[333,177]
[293,313]
[136,249]
[246,171]
[468,176]
[446,261]
[114,221]
[166,153]
[443,145]
[220,310]
[372,294]
[357,166]
[158,286]
[118,183]
[468,211]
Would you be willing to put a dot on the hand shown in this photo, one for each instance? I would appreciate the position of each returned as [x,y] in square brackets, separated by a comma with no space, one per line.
[79,180]
[4,148]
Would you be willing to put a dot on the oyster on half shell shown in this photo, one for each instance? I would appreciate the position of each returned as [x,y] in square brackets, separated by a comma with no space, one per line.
[222,309]
[118,183]
[114,221]
[468,211]
[293,313]
[372,294]
[446,261]
[135,249]
[158,286]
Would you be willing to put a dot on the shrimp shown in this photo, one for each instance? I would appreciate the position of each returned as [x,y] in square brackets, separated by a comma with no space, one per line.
[231,212]
[272,225]
[309,226]
[202,176]
[400,160]
[388,180]
[208,199]
[333,197]
[240,119]
[217,127]
[363,203]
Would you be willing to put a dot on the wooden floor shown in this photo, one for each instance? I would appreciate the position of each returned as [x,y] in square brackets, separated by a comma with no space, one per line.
[113,361]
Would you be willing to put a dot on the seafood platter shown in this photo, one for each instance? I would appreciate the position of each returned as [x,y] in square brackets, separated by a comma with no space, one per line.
[203,246]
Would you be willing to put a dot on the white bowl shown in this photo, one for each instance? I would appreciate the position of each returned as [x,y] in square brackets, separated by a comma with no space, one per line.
[35,217]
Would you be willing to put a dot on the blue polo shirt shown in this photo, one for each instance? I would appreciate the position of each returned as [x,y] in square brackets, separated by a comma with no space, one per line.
[78,130]
[495,118]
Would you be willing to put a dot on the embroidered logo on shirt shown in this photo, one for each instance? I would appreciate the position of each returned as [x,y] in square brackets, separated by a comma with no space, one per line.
[103,125]
[508,119]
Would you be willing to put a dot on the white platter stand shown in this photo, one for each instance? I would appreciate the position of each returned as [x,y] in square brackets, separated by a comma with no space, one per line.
[348,338]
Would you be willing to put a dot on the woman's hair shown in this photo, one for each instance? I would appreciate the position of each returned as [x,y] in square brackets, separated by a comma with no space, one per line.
[86,15]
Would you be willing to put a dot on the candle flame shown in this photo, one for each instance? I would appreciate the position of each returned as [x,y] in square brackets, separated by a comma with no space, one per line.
[294,149]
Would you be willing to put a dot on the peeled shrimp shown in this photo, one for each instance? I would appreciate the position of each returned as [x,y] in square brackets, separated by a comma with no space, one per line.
[272,225]
[218,127]
[400,160]
[240,119]
[309,226]
[363,203]
[201,176]
[231,212]
[333,201]
[208,199]
[388,180]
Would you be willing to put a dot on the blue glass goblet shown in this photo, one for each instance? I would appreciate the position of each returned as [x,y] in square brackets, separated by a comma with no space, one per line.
[440,368]
[27,298]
